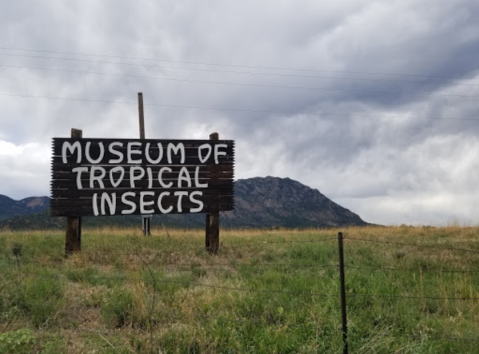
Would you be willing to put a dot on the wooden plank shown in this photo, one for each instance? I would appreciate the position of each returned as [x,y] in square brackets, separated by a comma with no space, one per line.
[88,211]
[155,168]
[212,171]
[188,143]
[113,182]
[87,208]
[88,193]
[207,196]
[166,199]
[73,227]
[153,151]
[107,183]
[84,193]
[121,145]
[57,161]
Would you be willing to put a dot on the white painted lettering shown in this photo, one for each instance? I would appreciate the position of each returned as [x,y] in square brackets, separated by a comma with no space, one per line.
[79,171]
[132,151]
[200,155]
[112,177]
[150,177]
[94,202]
[119,154]
[180,195]
[100,156]
[98,178]
[184,175]
[134,177]
[175,149]
[160,206]
[128,202]
[111,200]
[160,154]
[197,179]
[160,177]
[71,147]
[144,204]
[199,208]
[219,153]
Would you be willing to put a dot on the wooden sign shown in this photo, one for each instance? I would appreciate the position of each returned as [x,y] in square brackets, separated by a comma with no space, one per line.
[127,176]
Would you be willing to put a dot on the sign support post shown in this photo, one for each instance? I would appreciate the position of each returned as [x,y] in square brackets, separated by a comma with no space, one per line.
[73,228]
[145,219]
[212,237]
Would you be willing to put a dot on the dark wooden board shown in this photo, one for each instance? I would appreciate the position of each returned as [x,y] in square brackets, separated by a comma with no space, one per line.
[69,200]
[175,160]
[71,184]
[175,168]
[166,200]
[211,171]
[66,207]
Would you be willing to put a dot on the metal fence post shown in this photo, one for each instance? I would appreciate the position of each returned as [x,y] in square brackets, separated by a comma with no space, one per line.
[343,294]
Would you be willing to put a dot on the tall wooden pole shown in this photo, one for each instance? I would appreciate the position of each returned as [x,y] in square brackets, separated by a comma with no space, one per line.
[212,239]
[141,115]
[73,230]
[145,219]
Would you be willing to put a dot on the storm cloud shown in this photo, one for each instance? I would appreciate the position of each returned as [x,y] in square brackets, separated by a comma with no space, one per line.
[373,103]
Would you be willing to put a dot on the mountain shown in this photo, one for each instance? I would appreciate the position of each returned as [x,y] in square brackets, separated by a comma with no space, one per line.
[259,202]
[273,201]
[33,205]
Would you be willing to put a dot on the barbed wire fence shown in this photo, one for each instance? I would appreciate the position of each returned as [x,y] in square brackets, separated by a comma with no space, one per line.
[346,293]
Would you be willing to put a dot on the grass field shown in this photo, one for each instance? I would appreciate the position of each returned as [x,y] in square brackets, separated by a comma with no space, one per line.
[265,292]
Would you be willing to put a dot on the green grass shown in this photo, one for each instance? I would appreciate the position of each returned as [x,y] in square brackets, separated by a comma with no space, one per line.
[264,292]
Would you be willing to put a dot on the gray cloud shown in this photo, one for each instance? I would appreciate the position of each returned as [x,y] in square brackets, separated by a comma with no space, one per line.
[366,125]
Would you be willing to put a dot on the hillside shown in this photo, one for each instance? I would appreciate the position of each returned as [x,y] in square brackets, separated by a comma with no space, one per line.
[33,205]
[273,201]
[260,202]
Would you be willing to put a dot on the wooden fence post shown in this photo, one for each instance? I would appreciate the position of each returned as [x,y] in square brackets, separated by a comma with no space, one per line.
[344,317]
[73,230]
[212,239]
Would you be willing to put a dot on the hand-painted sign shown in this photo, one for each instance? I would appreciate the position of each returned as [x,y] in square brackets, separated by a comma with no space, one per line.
[124,176]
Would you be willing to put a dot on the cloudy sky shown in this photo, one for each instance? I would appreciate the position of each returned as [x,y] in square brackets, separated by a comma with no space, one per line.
[373,103]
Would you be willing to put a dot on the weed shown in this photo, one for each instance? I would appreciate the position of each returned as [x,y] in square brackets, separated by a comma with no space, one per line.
[41,299]
[17,342]
[118,308]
